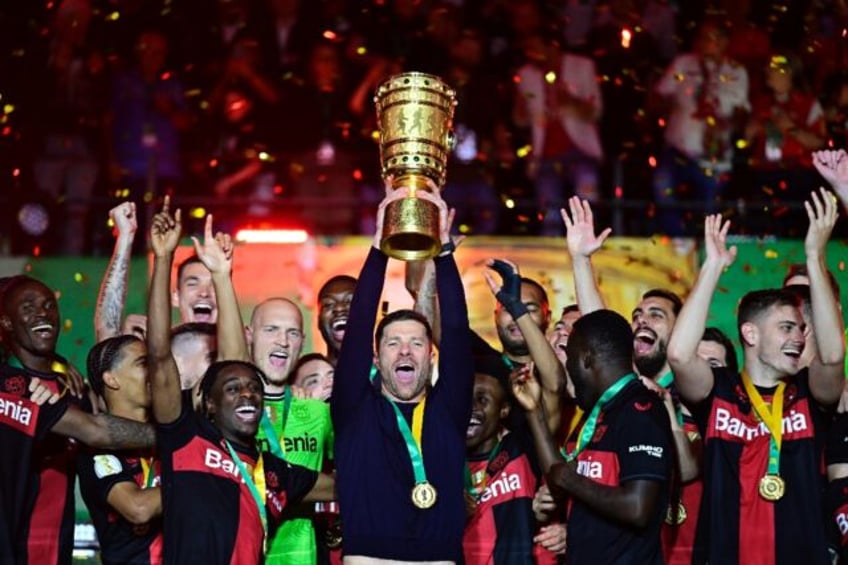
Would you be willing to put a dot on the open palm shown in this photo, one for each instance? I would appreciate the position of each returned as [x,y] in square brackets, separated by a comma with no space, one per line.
[580,228]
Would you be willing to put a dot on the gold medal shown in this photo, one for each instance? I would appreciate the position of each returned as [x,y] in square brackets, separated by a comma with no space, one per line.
[673,520]
[772,487]
[424,495]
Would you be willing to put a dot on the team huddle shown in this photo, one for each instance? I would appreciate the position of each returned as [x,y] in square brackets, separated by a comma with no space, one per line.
[596,440]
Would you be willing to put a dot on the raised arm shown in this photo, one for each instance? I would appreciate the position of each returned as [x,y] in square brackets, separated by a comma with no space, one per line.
[420,282]
[528,393]
[826,370]
[163,374]
[216,253]
[582,243]
[833,166]
[693,375]
[551,371]
[113,288]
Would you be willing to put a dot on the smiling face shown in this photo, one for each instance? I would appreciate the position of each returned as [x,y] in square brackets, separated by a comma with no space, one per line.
[776,339]
[489,408]
[511,338]
[333,310]
[652,322]
[404,358]
[558,338]
[316,378]
[30,320]
[195,295]
[275,335]
[234,403]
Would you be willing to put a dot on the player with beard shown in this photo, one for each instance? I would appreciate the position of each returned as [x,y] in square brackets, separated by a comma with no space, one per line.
[763,430]
[400,442]
[298,430]
[333,311]
[652,323]
[36,484]
[501,478]
[121,488]
[222,497]
[194,296]
[619,485]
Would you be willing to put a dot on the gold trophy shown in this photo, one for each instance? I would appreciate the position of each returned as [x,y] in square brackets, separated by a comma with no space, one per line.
[415,117]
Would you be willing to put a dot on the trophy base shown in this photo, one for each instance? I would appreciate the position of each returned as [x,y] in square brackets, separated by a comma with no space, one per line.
[411,230]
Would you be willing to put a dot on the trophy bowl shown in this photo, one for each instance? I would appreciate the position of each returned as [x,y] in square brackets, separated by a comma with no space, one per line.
[415,118]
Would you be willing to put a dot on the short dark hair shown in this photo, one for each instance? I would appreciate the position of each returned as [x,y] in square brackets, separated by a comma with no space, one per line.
[401,316]
[308,358]
[9,285]
[193,328]
[191,259]
[335,279]
[539,287]
[211,375]
[606,333]
[802,293]
[756,302]
[721,338]
[569,309]
[676,302]
[494,366]
[800,270]
[104,356]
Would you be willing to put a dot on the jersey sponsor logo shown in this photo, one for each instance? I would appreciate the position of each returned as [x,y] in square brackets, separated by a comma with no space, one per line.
[218,460]
[729,423]
[301,443]
[199,455]
[841,518]
[652,450]
[600,466]
[106,465]
[18,413]
[505,484]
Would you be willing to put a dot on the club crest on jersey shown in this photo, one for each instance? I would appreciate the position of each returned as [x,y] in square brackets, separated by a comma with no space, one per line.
[15,385]
[106,465]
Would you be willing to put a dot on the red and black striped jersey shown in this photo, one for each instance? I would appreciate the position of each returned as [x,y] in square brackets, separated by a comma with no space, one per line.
[23,424]
[209,514]
[736,524]
[121,542]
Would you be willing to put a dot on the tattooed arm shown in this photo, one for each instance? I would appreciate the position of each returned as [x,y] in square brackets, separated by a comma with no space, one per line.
[104,431]
[113,289]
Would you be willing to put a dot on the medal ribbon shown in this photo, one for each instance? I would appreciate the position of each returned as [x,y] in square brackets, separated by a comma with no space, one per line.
[665,382]
[477,490]
[413,437]
[772,417]
[588,429]
[256,486]
[275,443]
[148,472]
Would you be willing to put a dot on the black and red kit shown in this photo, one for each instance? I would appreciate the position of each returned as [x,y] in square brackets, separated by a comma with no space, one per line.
[23,425]
[632,442]
[121,542]
[503,525]
[837,497]
[736,524]
[210,516]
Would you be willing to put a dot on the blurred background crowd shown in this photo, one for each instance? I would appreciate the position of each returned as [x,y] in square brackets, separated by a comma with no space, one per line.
[261,111]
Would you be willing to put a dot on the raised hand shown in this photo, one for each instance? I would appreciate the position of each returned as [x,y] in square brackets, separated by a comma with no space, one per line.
[580,228]
[833,166]
[216,252]
[391,196]
[446,216]
[715,241]
[509,293]
[124,218]
[526,388]
[822,212]
[41,394]
[165,230]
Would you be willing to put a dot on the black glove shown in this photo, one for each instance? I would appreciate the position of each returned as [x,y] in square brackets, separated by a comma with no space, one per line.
[510,293]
